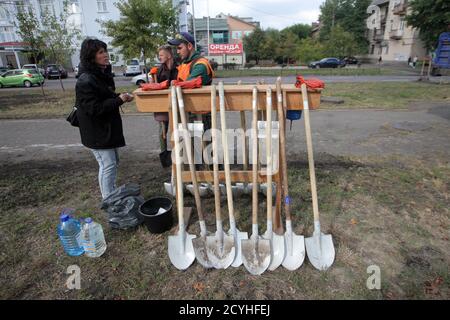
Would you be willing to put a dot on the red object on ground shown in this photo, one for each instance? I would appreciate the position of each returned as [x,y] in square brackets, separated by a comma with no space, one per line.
[155,86]
[310,83]
[190,84]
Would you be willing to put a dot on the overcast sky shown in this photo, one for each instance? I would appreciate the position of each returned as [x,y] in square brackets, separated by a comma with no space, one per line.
[276,14]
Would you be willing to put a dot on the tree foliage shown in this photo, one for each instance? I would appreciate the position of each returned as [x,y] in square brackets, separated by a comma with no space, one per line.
[431,17]
[29,30]
[144,26]
[255,45]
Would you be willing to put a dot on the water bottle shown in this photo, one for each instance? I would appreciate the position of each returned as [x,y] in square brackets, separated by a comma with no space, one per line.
[93,239]
[69,232]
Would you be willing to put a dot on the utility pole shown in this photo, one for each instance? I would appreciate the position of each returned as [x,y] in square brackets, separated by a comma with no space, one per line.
[193,24]
[207,23]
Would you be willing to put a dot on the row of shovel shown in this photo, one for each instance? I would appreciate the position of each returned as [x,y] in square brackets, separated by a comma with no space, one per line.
[234,248]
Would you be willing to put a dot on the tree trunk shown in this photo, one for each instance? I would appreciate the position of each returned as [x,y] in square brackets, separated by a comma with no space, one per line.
[60,81]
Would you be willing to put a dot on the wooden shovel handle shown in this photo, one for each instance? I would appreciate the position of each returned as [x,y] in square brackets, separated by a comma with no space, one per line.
[281,119]
[255,156]
[179,188]
[215,152]
[312,172]
[225,151]
[244,140]
[269,152]
[188,144]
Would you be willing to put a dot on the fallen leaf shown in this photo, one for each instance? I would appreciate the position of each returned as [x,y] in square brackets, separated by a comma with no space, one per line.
[432,287]
[353,221]
[199,287]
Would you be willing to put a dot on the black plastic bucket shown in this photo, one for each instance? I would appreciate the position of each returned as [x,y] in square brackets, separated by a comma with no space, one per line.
[157,223]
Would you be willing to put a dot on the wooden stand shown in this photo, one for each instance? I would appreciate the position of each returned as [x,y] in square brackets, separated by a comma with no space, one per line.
[237,98]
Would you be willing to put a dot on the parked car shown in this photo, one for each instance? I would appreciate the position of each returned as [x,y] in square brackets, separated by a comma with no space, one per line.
[132,68]
[350,60]
[21,78]
[327,63]
[35,67]
[54,71]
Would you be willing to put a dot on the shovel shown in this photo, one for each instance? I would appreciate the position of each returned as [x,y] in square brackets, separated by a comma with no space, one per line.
[276,241]
[181,250]
[200,242]
[256,252]
[238,236]
[295,244]
[319,247]
[220,247]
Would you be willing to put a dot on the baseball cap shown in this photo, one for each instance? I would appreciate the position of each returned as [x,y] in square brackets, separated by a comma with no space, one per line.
[182,37]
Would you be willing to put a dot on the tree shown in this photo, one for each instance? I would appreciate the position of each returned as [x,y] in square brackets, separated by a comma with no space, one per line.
[350,15]
[255,45]
[29,30]
[309,50]
[144,26]
[431,17]
[59,36]
[341,43]
[300,30]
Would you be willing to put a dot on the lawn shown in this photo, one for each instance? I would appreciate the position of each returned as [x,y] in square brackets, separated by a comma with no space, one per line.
[390,212]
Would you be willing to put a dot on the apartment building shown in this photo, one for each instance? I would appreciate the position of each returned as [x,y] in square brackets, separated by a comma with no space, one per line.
[389,35]
[83,16]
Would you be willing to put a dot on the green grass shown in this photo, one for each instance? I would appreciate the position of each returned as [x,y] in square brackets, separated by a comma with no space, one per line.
[389,203]
[293,72]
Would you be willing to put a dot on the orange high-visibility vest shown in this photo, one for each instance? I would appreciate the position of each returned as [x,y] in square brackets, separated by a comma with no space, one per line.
[184,70]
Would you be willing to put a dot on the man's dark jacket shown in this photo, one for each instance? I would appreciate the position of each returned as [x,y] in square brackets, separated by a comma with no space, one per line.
[98,109]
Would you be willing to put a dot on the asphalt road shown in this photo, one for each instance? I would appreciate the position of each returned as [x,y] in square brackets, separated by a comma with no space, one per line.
[122,81]
[424,130]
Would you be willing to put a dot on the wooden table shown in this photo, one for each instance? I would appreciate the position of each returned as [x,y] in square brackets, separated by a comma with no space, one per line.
[237,98]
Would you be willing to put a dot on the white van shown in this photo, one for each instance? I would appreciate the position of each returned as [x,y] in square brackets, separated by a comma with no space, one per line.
[132,68]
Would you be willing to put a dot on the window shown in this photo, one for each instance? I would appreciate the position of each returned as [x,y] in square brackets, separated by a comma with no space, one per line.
[101,6]
[7,34]
[74,6]
[46,7]
[220,37]
[22,6]
[4,14]
[247,33]
[236,35]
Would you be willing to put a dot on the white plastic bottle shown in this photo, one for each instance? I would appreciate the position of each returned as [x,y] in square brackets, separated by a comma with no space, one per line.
[93,239]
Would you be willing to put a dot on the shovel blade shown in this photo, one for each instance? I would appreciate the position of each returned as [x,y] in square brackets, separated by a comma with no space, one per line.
[220,253]
[256,255]
[277,249]
[238,237]
[320,250]
[199,245]
[181,253]
[170,189]
[202,190]
[295,251]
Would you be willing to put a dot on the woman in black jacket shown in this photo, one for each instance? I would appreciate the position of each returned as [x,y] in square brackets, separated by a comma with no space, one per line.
[98,111]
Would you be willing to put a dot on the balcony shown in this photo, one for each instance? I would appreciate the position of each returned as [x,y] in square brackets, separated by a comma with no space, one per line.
[400,9]
[396,34]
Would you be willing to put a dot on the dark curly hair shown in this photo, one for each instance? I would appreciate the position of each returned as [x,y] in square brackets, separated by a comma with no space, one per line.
[89,49]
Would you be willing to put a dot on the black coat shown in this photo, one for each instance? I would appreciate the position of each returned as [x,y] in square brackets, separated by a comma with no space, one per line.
[98,110]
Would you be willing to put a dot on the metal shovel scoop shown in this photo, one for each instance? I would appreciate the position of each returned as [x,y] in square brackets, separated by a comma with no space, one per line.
[200,242]
[181,250]
[276,241]
[295,244]
[319,247]
[220,247]
[256,252]
[238,236]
